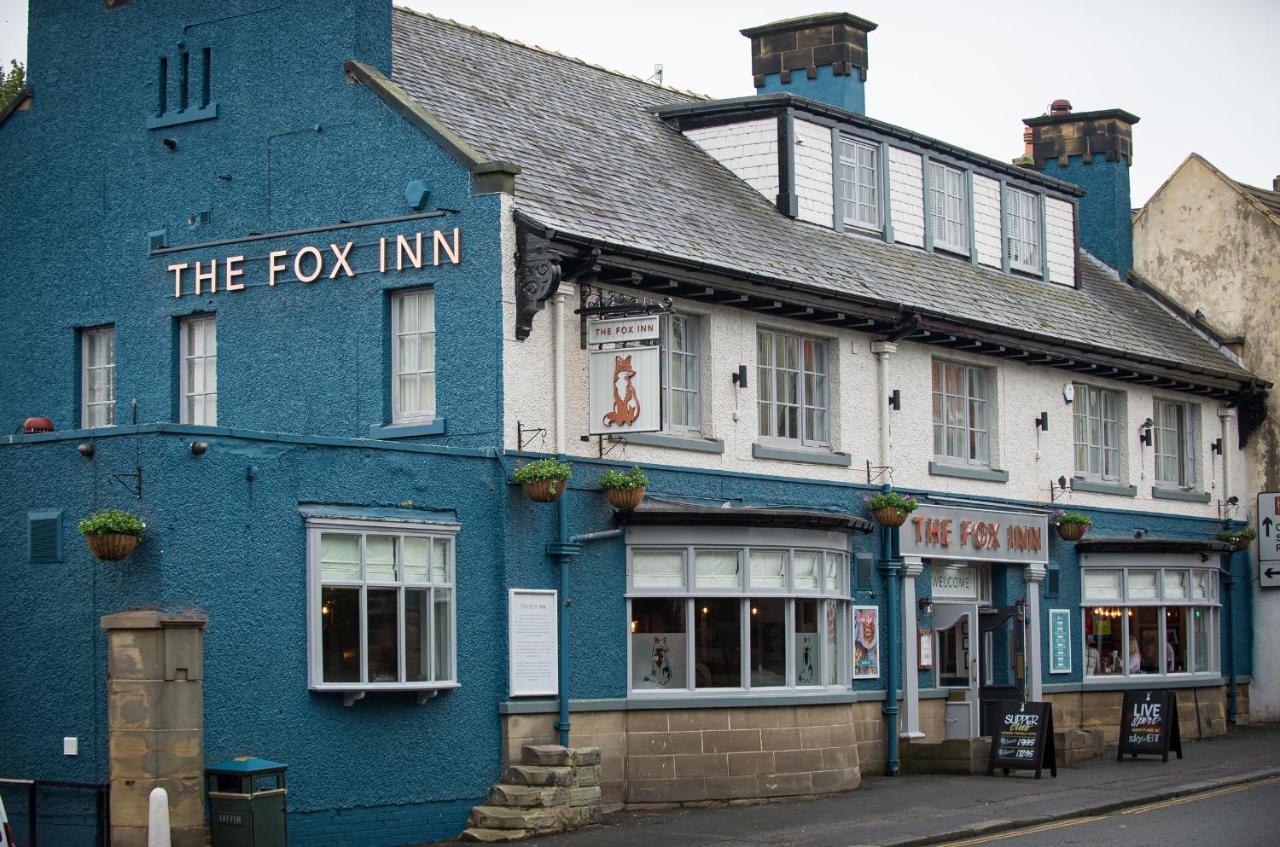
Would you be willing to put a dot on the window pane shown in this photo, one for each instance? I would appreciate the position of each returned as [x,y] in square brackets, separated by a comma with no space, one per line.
[340,634]
[440,571]
[658,658]
[417,634]
[382,638]
[380,563]
[768,569]
[716,569]
[657,568]
[415,560]
[339,556]
[1103,629]
[718,643]
[1142,585]
[1175,585]
[807,646]
[1102,585]
[807,569]
[1201,620]
[1201,585]
[835,564]
[1176,640]
[768,642]
[442,624]
[1144,640]
[831,648]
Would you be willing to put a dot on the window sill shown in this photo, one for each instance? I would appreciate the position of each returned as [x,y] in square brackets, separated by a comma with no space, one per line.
[389,432]
[672,441]
[1184,495]
[968,472]
[1204,679]
[351,692]
[807,455]
[190,116]
[1094,486]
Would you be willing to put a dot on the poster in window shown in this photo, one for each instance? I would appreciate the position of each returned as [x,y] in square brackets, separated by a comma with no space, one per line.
[866,642]
[658,661]
[807,658]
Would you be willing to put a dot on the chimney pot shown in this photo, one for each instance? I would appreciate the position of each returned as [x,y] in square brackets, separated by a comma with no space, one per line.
[1275,183]
[1061,106]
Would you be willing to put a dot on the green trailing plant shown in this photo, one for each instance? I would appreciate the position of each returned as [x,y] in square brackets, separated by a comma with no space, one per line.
[115,521]
[543,470]
[12,83]
[892,500]
[1233,536]
[616,480]
[1061,518]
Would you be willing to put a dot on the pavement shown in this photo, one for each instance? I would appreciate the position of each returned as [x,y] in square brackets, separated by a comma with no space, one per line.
[908,811]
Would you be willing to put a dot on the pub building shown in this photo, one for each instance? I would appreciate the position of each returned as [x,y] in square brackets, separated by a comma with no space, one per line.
[303,286]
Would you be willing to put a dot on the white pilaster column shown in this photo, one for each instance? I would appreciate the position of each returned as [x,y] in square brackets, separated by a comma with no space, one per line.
[1227,417]
[912,566]
[883,350]
[1034,576]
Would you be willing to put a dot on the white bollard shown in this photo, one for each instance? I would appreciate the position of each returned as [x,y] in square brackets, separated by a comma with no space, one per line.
[158,819]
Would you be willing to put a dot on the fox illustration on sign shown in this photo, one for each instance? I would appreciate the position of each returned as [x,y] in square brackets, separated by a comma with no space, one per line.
[626,405]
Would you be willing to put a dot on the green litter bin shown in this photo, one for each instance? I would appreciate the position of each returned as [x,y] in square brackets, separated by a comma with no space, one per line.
[246,802]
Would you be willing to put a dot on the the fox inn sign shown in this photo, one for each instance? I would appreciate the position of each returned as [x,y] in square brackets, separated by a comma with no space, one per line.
[975,534]
[625,381]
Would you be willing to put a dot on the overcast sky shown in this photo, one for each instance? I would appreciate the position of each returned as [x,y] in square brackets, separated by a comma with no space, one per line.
[1202,76]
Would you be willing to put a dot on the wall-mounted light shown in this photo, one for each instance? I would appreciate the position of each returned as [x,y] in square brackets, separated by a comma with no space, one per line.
[86,450]
[926,606]
[1042,422]
[740,378]
[1144,432]
[1216,446]
[199,448]
[895,400]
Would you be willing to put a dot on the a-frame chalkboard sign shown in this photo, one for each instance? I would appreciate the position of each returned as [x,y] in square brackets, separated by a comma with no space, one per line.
[1149,724]
[1023,738]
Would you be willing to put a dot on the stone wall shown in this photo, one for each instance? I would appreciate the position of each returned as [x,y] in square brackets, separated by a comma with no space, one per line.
[1100,710]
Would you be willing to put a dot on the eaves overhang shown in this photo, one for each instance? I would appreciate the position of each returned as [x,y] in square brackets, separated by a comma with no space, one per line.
[1153,545]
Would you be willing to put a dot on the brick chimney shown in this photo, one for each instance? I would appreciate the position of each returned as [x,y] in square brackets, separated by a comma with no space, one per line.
[821,57]
[1092,150]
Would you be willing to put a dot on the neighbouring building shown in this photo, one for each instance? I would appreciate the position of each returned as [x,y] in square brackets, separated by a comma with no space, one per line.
[333,276]
[1209,247]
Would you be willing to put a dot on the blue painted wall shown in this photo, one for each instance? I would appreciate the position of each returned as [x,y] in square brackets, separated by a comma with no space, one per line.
[1106,219]
[844,92]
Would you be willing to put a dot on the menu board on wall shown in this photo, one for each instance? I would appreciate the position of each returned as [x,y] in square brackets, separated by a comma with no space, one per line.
[1149,724]
[531,631]
[1059,641]
[1023,738]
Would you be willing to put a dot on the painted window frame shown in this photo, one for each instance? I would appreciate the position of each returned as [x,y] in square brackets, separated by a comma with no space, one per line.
[940,184]
[1176,443]
[769,373]
[831,593]
[1121,607]
[186,396]
[942,400]
[420,415]
[317,582]
[1108,442]
[693,356]
[88,407]
[856,174]
[1022,216]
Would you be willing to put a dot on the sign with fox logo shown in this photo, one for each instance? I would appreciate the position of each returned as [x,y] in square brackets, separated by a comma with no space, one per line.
[625,390]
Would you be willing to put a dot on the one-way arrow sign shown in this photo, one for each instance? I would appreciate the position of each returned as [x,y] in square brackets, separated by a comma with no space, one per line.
[1266,527]
[1269,539]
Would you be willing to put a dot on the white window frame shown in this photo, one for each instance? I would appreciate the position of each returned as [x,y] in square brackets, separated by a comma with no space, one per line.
[1022,230]
[1210,605]
[948,207]
[693,340]
[1101,446]
[804,403]
[967,400]
[1176,443]
[187,396]
[90,410]
[689,593]
[421,415]
[860,184]
[317,527]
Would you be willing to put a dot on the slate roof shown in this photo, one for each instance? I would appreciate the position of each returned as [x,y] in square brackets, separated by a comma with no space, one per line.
[1268,198]
[597,163]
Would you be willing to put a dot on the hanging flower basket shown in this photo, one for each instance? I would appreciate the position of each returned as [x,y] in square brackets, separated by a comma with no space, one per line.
[544,480]
[624,491]
[889,516]
[1071,526]
[1241,539]
[890,508]
[1071,531]
[112,534]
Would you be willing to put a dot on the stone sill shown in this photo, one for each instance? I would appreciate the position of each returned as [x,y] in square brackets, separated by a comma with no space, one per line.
[968,472]
[392,431]
[1094,486]
[1152,681]
[1185,496]
[190,116]
[811,455]
[673,441]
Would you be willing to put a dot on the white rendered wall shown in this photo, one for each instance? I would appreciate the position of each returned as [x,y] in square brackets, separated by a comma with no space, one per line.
[986,221]
[1060,240]
[749,149]
[814,186]
[906,197]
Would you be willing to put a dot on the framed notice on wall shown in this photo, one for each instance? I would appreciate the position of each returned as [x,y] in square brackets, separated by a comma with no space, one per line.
[531,632]
[1059,641]
[925,654]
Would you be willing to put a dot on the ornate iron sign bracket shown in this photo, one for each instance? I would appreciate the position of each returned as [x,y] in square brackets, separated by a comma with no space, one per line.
[594,302]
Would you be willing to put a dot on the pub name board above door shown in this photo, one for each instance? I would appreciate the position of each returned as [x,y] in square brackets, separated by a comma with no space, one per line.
[978,535]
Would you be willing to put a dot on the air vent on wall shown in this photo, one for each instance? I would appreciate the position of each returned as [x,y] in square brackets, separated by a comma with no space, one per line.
[44,537]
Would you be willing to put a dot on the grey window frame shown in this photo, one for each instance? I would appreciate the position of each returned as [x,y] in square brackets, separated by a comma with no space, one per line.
[850,175]
[693,340]
[1184,440]
[1022,227]
[88,418]
[802,404]
[397,304]
[967,399]
[1088,399]
[938,189]
[185,354]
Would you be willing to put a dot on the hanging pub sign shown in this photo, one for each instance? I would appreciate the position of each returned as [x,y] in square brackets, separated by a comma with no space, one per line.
[1149,724]
[1023,738]
[616,330]
[625,391]
[976,535]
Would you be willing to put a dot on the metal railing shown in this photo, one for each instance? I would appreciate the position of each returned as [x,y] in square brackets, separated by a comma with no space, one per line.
[102,824]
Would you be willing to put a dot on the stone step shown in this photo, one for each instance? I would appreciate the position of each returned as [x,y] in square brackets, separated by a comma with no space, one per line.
[537,775]
[492,836]
[586,796]
[527,796]
[501,817]
[553,755]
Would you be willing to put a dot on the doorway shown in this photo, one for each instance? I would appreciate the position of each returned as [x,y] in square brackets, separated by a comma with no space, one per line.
[958,667]
[1004,660]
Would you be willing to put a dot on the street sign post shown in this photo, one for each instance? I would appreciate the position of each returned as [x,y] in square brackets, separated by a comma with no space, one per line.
[1269,539]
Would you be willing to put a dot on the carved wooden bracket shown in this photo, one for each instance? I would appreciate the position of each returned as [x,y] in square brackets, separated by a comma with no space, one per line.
[537,278]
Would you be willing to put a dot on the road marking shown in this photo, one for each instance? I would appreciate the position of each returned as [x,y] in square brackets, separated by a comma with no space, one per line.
[1191,798]
[1015,833]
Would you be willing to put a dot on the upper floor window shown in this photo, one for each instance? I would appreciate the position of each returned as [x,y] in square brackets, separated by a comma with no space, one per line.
[199,378]
[948,208]
[681,360]
[413,356]
[961,412]
[1022,229]
[792,379]
[1097,432]
[1175,427]
[860,183]
[98,377]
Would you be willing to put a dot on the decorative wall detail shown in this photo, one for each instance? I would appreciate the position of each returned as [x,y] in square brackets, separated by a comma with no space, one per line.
[537,278]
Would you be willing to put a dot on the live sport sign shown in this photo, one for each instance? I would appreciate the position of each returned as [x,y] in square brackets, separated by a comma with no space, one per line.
[975,535]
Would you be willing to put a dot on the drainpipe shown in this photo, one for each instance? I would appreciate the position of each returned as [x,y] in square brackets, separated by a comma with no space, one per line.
[1228,581]
[562,548]
[891,569]
[883,350]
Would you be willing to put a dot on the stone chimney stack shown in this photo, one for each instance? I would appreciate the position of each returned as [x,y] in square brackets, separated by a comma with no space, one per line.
[821,57]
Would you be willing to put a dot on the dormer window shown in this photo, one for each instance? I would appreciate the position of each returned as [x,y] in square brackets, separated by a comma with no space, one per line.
[948,208]
[860,183]
[1022,230]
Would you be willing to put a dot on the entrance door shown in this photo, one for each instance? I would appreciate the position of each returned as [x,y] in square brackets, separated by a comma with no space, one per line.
[955,648]
[1004,661]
